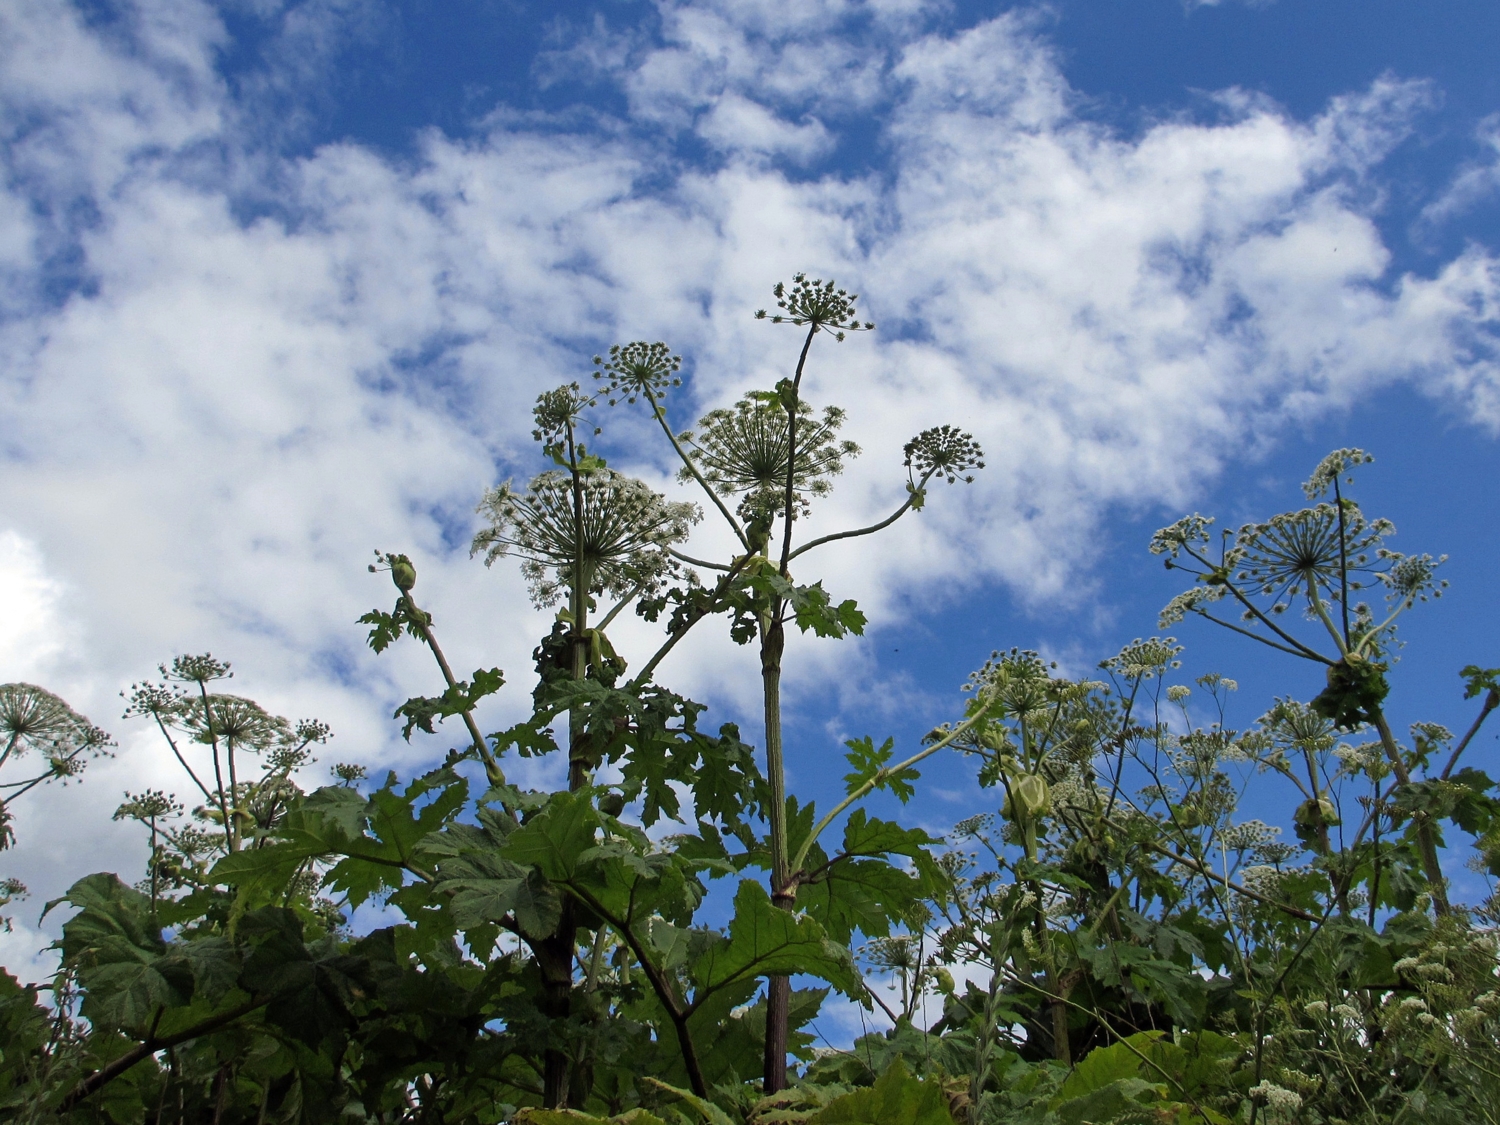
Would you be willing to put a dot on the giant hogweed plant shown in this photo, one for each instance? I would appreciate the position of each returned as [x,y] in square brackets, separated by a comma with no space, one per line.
[557,874]
[1118,907]
[554,942]
[771,455]
[1320,560]
[45,740]
[1130,947]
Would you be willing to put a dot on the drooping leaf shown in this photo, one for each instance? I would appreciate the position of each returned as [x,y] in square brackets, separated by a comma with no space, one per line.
[764,940]
[897,1098]
[554,838]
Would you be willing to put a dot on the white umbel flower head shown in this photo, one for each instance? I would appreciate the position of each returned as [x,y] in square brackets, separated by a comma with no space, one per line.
[626,529]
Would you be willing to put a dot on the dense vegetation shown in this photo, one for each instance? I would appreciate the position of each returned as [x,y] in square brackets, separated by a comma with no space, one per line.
[1113,943]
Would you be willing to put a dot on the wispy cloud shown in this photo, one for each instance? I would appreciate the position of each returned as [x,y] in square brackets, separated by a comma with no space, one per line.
[1475,182]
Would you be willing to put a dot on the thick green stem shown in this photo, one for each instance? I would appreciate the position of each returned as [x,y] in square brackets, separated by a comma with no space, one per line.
[773,643]
[778,996]
[1057,1008]
[1426,843]
[555,953]
[1317,604]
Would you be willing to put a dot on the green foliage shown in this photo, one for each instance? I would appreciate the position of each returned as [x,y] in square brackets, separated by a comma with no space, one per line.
[897,1098]
[1355,691]
[869,762]
[1113,942]
[460,699]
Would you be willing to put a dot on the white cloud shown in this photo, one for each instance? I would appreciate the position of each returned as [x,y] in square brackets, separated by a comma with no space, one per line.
[736,124]
[205,439]
[1472,184]
[34,630]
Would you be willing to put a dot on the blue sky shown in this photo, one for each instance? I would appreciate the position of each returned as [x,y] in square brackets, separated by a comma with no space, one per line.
[279,281]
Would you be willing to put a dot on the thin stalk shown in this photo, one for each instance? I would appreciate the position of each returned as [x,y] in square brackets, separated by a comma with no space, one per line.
[424,623]
[1304,652]
[25,786]
[172,742]
[676,1011]
[1367,642]
[620,605]
[234,788]
[118,1066]
[1246,892]
[208,724]
[155,875]
[659,412]
[1254,611]
[704,563]
[791,451]
[881,775]
[1491,701]
[1338,498]
[874,527]
[671,642]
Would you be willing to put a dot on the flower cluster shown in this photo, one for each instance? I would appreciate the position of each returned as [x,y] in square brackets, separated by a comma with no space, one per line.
[557,413]
[1297,552]
[638,369]
[944,451]
[1189,601]
[621,536]
[743,450]
[1145,660]
[153,804]
[1296,726]
[818,303]
[33,719]
[1185,532]
[1249,835]
[1276,1098]
[1337,464]
[1367,757]
[1411,578]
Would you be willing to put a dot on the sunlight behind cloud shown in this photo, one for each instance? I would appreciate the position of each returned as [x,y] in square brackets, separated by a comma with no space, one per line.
[32,635]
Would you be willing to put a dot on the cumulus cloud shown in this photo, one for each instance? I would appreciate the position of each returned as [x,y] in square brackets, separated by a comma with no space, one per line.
[228,374]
